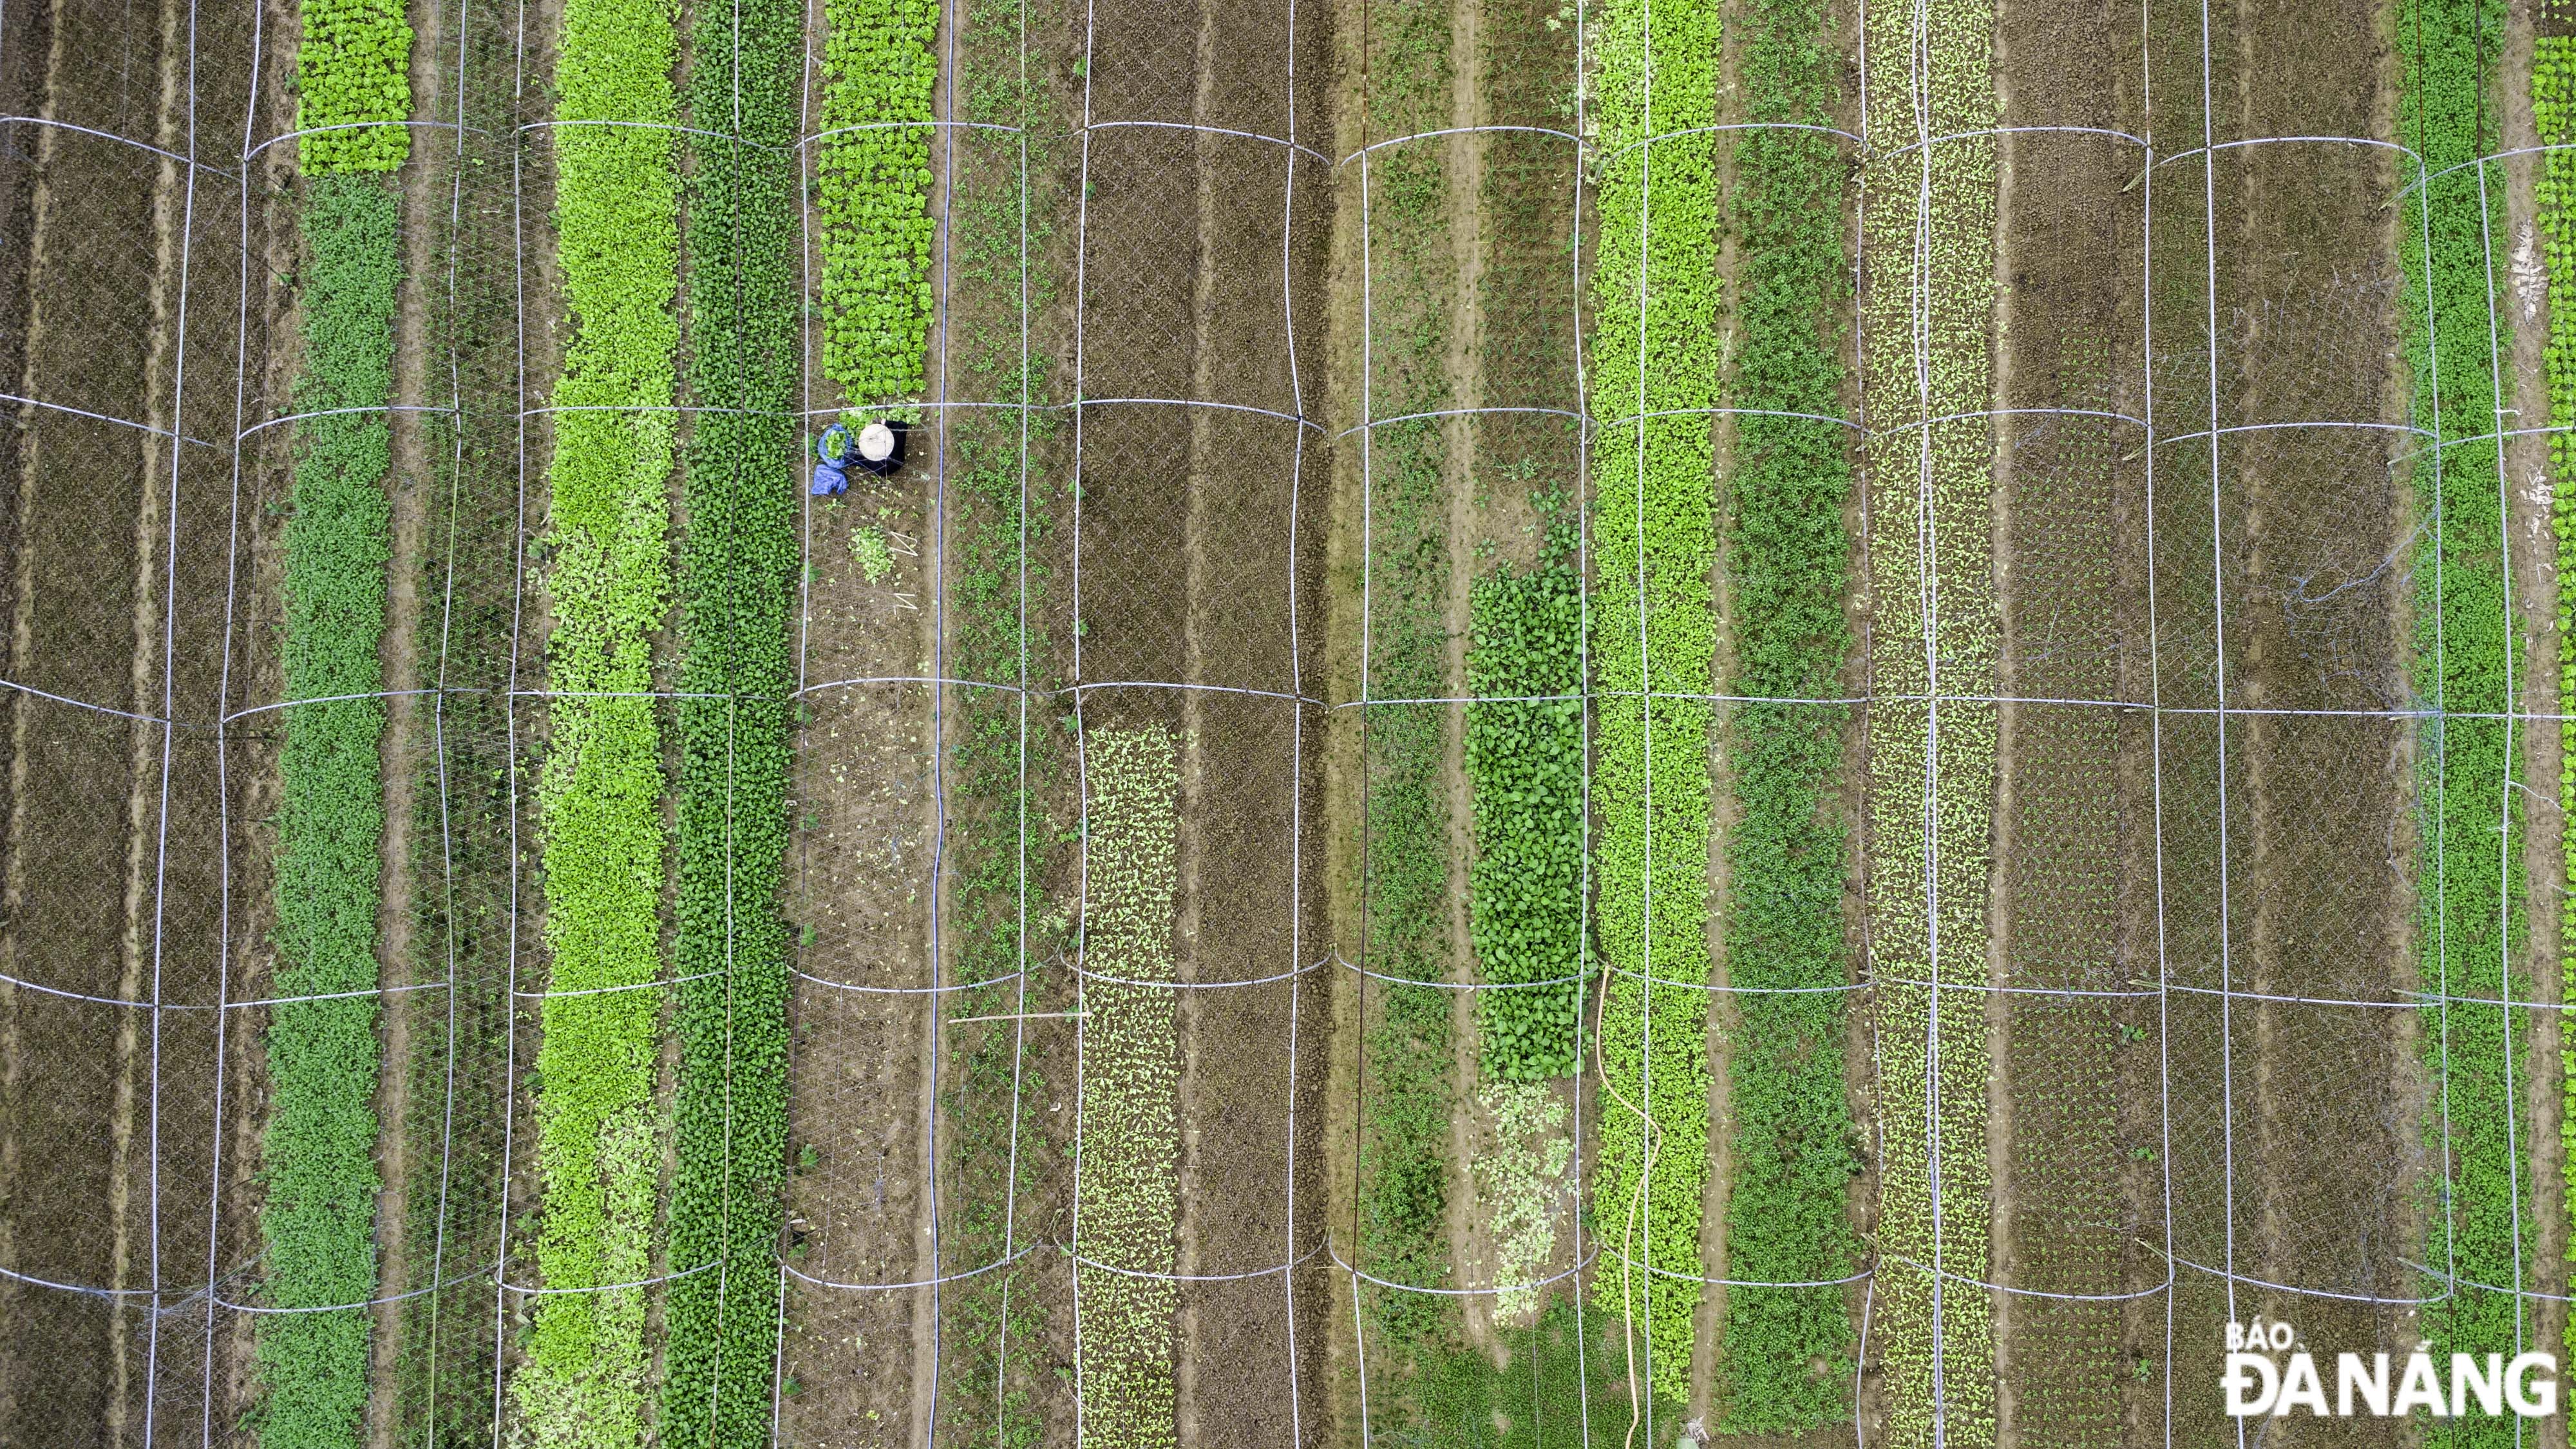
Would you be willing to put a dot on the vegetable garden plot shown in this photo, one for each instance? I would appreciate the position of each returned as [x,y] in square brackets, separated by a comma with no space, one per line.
[1134,323]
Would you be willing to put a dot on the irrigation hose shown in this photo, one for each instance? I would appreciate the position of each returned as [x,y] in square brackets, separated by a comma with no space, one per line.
[1628,1223]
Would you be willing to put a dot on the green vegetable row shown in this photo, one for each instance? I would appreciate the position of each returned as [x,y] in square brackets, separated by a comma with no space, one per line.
[1784,1355]
[1928,242]
[2470,891]
[583,1380]
[879,69]
[318,1153]
[352,67]
[1407,1068]
[1655,369]
[1525,763]
[737,587]
[1127,1212]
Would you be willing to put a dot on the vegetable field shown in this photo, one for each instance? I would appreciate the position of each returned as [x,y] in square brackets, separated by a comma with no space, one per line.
[1532,723]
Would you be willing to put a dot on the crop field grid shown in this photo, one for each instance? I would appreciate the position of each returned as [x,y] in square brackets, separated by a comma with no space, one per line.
[1616,722]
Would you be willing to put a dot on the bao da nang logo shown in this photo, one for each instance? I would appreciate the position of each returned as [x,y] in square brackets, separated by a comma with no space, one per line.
[2270,1372]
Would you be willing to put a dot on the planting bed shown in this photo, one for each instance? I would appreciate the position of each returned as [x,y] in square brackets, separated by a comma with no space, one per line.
[1737,721]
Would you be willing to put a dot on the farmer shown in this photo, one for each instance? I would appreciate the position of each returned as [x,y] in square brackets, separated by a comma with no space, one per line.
[879,450]
[881,446]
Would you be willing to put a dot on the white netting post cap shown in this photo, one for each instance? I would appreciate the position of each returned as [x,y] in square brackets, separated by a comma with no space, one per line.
[876,442]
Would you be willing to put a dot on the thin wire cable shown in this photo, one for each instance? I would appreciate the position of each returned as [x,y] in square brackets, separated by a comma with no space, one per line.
[169,697]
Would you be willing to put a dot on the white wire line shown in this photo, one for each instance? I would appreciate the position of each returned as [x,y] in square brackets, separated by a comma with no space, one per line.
[1437,985]
[1326,1247]
[65,408]
[1272,980]
[51,123]
[2441,687]
[438,718]
[2391,713]
[945,405]
[84,1289]
[931,406]
[1439,413]
[169,709]
[1296,738]
[1628,420]
[510,700]
[2424,179]
[2413,1000]
[2208,149]
[1582,651]
[933,1283]
[1081,744]
[2504,792]
[1291,144]
[938,567]
[629,1286]
[1674,1276]
[1927,583]
[2272,1286]
[2155,693]
[934,126]
[1992,133]
[1274,1269]
[223,767]
[251,154]
[2363,426]
[2127,1295]
[2218,675]
[934,990]
[385,407]
[1448,131]
[150,719]
[479,1275]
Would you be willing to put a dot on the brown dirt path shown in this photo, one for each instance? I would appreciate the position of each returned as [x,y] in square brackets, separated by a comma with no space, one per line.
[136,1041]
[861,892]
[419,379]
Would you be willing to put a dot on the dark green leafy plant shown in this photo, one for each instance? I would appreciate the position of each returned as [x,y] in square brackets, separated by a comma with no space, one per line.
[1784,1354]
[318,1153]
[2470,920]
[737,588]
